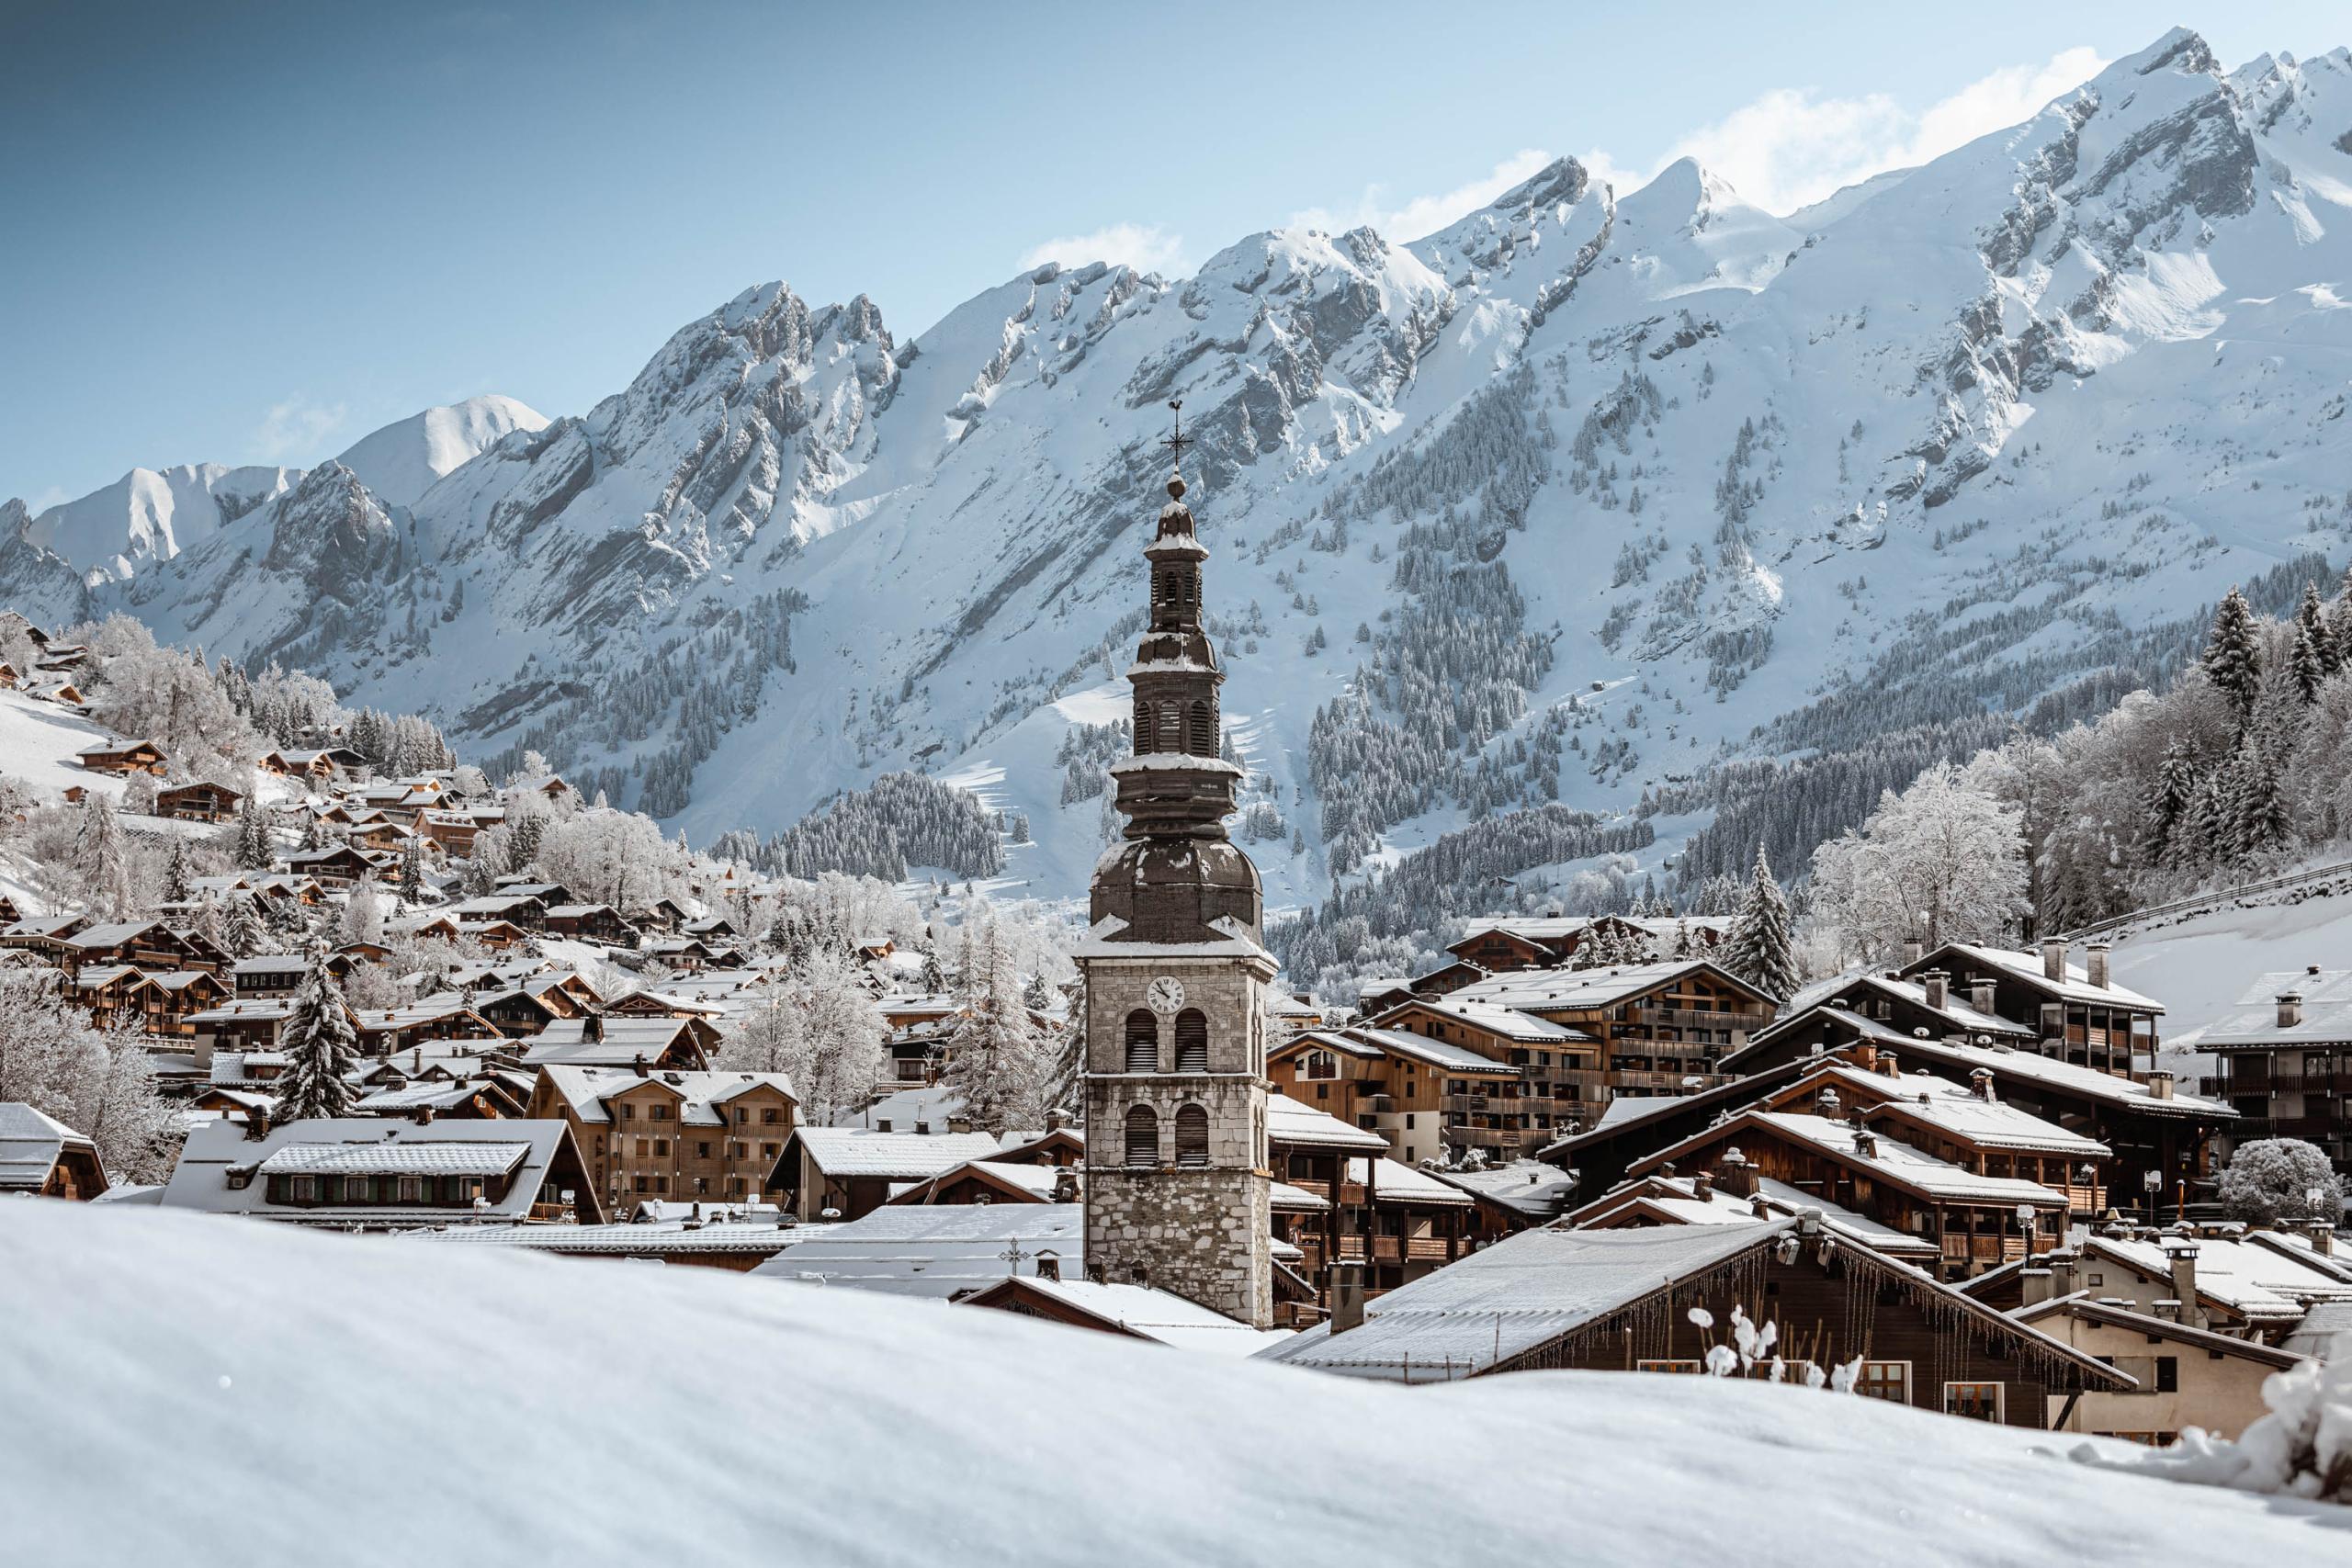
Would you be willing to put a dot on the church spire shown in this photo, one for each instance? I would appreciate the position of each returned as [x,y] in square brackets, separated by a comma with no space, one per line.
[1177,789]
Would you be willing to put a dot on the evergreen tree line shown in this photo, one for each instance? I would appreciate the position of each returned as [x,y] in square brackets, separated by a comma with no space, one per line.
[902,820]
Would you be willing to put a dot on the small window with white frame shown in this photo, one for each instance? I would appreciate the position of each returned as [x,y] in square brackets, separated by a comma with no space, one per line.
[1977,1401]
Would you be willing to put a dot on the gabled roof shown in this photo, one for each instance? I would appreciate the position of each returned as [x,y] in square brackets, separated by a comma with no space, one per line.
[2115,1315]
[1362,1041]
[1527,1187]
[1555,990]
[1676,1199]
[1498,1304]
[1922,1098]
[1893,1161]
[2026,969]
[1139,1309]
[2326,1019]
[938,1250]
[1289,1122]
[31,1142]
[1507,1022]
[369,1145]
[590,1091]
[842,1152]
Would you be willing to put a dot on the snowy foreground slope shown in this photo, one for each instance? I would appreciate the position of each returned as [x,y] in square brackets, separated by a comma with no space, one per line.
[1690,465]
[196,1390]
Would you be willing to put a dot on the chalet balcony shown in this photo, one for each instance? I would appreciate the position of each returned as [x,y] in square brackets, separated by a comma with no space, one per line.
[1697,1018]
[1984,1249]
[1349,1191]
[2082,1200]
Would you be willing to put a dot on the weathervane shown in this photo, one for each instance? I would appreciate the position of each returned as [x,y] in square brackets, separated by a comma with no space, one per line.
[1178,442]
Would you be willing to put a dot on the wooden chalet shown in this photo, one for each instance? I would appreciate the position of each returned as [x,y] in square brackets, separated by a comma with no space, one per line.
[42,1157]
[338,865]
[1622,1301]
[142,944]
[202,801]
[2286,1059]
[1401,1084]
[122,757]
[589,922]
[49,936]
[385,1173]
[2187,1377]
[846,1173]
[2077,1011]
[1930,1159]
[327,763]
[1503,944]
[995,1181]
[518,909]
[270,976]
[610,1040]
[2251,1284]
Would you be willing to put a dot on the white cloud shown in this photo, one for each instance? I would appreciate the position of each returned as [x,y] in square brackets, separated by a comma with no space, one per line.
[1422,214]
[1791,147]
[296,429]
[1146,247]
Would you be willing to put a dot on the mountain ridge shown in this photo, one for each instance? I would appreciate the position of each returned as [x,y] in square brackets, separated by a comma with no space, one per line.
[1560,501]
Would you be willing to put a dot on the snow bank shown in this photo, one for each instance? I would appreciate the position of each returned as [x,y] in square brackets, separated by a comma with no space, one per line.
[195,1391]
[2302,1449]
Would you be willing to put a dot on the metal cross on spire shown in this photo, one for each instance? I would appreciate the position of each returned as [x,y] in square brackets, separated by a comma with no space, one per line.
[1179,441]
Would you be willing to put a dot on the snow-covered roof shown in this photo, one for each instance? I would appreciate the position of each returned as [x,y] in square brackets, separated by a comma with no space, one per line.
[1955,1108]
[1289,1122]
[461,1157]
[1507,1023]
[2116,1314]
[31,1144]
[1676,1197]
[940,1250]
[2074,986]
[2069,1076]
[1900,1163]
[1036,1180]
[656,1238]
[1527,1187]
[2327,996]
[1394,1180]
[361,1146]
[1555,990]
[1421,1048]
[1158,1315]
[900,1156]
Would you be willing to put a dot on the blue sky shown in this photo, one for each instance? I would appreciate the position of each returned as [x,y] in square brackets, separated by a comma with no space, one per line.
[250,233]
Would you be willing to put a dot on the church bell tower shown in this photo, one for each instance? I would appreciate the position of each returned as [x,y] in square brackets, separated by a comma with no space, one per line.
[1176,979]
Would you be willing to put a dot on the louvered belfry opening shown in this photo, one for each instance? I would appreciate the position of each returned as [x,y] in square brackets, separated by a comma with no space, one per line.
[1143,1041]
[1143,1136]
[1191,1041]
[1203,735]
[1191,1137]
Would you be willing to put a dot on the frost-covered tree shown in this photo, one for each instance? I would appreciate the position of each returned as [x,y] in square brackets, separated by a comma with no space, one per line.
[1761,947]
[321,1045]
[176,873]
[2233,659]
[771,1034]
[1943,861]
[844,1058]
[243,933]
[995,1065]
[256,850]
[362,915]
[101,859]
[100,1082]
[2272,1180]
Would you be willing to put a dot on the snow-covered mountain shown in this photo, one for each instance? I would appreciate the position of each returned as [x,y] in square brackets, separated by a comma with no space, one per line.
[1559,502]
[151,516]
[401,461]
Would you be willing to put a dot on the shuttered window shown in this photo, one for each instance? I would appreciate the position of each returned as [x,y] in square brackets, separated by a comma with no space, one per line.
[1143,1136]
[1172,728]
[1203,731]
[1143,1041]
[1191,1136]
[1191,1041]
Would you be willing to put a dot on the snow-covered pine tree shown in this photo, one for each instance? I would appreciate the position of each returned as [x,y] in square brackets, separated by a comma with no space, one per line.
[363,915]
[993,1063]
[313,834]
[100,860]
[2233,658]
[411,876]
[2305,666]
[321,1045]
[1762,949]
[255,849]
[176,873]
[243,933]
[2171,799]
[2314,619]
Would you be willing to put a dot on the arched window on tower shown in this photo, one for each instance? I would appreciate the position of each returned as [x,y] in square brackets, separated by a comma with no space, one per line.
[1143,1041]
[1191,1041]
[1172,728]
[1143,1136]
[1191,1137]
[1203,731]
[1143,725]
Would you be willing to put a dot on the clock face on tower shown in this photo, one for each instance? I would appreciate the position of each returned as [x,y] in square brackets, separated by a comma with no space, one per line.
[1165,996]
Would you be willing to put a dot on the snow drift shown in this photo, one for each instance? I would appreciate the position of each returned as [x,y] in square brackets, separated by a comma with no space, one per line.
[190,1389]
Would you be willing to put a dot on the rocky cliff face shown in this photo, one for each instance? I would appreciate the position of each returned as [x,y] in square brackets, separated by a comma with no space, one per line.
[1556,502]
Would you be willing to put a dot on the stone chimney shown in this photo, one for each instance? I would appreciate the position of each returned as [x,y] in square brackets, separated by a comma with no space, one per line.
[2183,1258]
[1703,1186]
[1866,1057]
[257,1124]
[959,1124]
[2037,1285]
[1827,1104]
[591,1026]
[1983,993]
[1938,985]
[2290,1010]
[2160,1085]
[1347,1297]
[1065,1184]
[421,1115]
[1980,1084]
[2322,1234]
[1888,1066]
[1735,1175]
[1056,1120]
[2053,960]
[1913,949]
[639,1064]
[2095,964]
